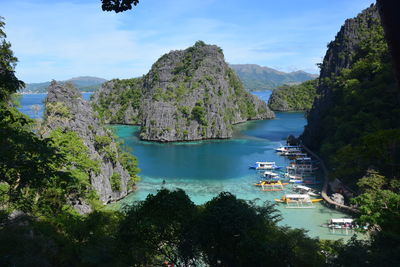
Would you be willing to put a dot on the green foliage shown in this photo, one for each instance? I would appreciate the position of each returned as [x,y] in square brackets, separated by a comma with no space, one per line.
[379,202]
[58,109]
[199,113]
[124,94]
[129,163]
[78,163]
[294,97]
[115,181]
[9,84]
[365,109]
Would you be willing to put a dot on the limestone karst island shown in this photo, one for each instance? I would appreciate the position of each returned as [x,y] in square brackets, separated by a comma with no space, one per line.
[199,133]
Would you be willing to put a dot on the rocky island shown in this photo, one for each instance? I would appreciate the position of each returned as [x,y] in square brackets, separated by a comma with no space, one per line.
[187,95]
[96,158]
[298,97]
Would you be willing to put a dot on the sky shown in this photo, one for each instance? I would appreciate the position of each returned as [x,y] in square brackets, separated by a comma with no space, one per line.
[61,39]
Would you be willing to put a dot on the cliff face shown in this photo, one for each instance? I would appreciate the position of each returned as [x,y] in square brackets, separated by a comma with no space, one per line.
[67,111]
[340,55]
[187,95]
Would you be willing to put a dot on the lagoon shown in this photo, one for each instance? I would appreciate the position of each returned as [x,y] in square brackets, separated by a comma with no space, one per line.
[205,168]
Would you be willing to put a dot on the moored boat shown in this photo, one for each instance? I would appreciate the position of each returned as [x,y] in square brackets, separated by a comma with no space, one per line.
[283,149]
[297,201]
[265,165]
[271,185]
[271,175]
[301,189]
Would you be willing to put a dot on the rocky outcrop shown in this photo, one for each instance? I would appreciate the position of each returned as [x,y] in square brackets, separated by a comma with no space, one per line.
[67,111]
[187,95]
[340,55]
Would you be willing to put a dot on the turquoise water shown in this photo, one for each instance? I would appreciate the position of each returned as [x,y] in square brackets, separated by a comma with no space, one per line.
[205,168]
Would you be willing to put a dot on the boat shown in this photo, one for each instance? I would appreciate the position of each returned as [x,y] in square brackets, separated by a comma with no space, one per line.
[341,225]
[271,185]
[301,189]
[259,165]
[297,180]
[283,149]
[301,168]
[271,175]
[297,201]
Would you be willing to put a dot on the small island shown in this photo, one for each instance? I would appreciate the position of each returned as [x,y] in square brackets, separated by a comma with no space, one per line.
[187,95]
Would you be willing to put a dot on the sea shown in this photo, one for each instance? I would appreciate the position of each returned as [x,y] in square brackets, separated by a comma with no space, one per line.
[206,168]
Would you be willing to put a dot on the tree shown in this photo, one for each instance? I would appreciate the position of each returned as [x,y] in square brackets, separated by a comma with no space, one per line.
[157,230]
[118,5]
[9,84]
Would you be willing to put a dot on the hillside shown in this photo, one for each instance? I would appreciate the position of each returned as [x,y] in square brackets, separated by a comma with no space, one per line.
[354,121]
[83,83]
[297,97]
[189,94]
[70,121]
[257,78]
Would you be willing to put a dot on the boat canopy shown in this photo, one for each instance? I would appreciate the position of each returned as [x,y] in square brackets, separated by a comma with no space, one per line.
[270,173]
[306,188]
[297,196]
[343,220]
[266,162]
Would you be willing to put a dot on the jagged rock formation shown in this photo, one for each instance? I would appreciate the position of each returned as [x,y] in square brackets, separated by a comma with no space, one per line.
[293,97]
[187,95]
[257,78]
[67,111]
[340,55]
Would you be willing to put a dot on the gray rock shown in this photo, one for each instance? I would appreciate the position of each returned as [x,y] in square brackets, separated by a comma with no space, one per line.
[66,109]
[187,95]
[338,198]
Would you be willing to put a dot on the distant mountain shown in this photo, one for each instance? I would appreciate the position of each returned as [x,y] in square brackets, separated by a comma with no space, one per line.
[84,84]
[257,78]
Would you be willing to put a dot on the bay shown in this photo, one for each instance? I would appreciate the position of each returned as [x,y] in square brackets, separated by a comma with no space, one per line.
[205,168]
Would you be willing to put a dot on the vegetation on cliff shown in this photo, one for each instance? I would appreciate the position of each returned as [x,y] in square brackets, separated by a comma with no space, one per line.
[187,95]
[293,97]
[354,125]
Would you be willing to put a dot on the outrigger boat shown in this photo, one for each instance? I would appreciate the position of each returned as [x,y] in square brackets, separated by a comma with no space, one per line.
[283,149]
[271,175]
[265,165]
[301,168]
[301,189]
[343,224]
[297,201]
[271,185]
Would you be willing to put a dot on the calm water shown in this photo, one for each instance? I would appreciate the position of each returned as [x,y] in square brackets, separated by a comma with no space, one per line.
[205,168]
[28,101]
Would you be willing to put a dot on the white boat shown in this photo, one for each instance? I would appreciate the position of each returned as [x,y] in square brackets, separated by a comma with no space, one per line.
[299,168]
[283,149]
[305,190]
[271,175]
[260,165]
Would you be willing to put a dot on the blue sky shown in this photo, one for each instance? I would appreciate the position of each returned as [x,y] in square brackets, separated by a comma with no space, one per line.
[60,39]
